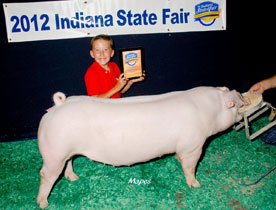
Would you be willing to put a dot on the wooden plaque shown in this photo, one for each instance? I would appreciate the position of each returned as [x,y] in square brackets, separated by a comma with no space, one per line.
[132,62]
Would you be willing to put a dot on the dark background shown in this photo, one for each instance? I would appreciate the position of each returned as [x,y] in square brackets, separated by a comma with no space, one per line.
[30,72]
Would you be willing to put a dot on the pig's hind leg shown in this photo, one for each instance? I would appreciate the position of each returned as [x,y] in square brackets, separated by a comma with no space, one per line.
[49,173]
[188,163]
[69,172]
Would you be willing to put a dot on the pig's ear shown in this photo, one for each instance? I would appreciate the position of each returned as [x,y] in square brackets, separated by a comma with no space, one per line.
[228,100]
[230,104]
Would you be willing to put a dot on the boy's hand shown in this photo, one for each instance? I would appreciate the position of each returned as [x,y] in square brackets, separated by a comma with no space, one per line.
[257,88]
[138,79]
[122,81]
[260,86]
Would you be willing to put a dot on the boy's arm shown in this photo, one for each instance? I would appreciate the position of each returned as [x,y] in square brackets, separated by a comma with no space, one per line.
[272,81]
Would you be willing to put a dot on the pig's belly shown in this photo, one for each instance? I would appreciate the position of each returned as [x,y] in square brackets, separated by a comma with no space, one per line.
[125,145]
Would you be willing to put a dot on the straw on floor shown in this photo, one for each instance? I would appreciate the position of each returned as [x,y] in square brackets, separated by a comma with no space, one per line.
[228,160]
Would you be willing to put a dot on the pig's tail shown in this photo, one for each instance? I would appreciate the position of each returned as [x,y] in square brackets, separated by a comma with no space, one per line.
[59,98]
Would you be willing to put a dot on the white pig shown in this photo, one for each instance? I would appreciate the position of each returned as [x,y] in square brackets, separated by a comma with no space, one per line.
[132,130]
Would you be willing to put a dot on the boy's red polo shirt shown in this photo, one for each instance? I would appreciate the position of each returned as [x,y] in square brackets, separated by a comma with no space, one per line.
[99,81]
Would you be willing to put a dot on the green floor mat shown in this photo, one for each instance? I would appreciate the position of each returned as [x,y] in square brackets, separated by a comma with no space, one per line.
[228,160]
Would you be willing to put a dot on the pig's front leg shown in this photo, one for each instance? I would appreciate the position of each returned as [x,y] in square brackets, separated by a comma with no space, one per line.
[69,172]
[188,163]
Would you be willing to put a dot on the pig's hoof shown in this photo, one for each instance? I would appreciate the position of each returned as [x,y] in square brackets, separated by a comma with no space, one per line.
[43,204]
[72,177]
[195,183]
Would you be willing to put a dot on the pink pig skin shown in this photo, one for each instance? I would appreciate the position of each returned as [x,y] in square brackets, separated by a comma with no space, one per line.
[131,130]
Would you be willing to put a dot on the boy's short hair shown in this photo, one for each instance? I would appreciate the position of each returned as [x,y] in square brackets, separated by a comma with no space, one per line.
[103,37]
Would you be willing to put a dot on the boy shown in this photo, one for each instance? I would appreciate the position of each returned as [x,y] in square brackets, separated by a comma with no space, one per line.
[103,78]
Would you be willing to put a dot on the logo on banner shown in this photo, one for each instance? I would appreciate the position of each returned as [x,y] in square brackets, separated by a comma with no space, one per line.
[207,12]
[131,58]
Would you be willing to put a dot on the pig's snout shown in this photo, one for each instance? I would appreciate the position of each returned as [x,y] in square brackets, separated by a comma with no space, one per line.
[240,100]
[246,100]
[59,98]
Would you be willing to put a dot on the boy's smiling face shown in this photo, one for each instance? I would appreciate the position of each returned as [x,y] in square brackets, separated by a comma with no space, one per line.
[102,52]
